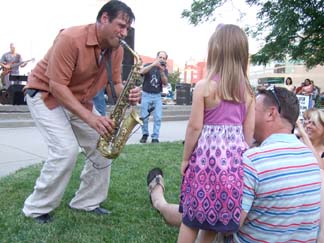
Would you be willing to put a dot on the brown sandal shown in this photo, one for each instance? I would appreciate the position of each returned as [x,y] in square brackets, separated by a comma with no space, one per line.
[154,178]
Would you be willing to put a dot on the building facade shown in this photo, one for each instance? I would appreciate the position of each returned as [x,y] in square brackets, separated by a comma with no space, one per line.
[277,73]
[273,73]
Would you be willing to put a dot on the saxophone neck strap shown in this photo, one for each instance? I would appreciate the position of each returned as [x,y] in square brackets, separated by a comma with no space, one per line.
[109,77]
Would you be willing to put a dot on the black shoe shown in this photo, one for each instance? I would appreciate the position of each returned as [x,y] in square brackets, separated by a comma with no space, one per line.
[100,211]
[155,140]
[144,138]
[44,218]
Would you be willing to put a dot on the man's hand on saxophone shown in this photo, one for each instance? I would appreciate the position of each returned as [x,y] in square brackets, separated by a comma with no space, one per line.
[102,124]
[134,95]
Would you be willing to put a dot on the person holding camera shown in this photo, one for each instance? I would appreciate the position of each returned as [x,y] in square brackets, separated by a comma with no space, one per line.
[155,77]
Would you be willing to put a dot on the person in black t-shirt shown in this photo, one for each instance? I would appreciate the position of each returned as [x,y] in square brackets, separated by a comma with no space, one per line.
[155,77]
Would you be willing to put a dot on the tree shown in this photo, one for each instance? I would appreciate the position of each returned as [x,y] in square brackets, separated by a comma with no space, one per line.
[174,78]
[294,28]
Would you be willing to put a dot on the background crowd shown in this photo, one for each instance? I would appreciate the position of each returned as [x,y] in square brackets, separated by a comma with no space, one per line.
[308,88]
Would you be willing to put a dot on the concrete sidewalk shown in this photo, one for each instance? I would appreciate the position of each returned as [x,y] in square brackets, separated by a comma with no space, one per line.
[24,146]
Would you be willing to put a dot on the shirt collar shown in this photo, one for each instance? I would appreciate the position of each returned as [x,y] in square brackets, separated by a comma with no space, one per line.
[92,39]
[279,137]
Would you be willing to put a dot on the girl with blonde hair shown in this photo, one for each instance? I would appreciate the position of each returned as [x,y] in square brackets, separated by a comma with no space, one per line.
[220,129]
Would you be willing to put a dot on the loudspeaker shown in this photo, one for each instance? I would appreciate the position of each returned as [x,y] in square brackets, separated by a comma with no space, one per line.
[4,97]
[16,95]
[18,79]
[183,94]
[128,59]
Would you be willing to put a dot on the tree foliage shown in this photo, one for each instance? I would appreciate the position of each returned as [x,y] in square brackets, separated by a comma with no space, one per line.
[293,29]
[174,78]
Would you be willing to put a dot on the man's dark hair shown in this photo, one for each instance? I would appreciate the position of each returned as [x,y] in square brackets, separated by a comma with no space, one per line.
[113,8]
[158,53]
[288,102]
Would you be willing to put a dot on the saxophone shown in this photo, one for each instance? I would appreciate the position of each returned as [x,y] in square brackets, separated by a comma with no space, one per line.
[111,145]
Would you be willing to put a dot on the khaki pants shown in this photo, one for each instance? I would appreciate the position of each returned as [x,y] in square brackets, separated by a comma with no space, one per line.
[64,133]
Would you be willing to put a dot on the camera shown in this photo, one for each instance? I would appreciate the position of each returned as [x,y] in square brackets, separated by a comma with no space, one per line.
[163,63]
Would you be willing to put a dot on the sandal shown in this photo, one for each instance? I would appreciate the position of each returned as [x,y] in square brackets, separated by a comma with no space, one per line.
[154,178]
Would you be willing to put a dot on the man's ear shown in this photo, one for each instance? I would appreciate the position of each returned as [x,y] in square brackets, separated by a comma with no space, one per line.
[272,112]
[104,18]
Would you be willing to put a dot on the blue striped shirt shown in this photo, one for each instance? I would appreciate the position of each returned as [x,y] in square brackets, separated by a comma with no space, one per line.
[281,192]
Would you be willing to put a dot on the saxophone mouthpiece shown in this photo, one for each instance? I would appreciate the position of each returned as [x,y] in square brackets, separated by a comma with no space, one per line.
[121,41]
[136,56]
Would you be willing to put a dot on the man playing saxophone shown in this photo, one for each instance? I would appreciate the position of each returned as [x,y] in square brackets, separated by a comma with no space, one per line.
[59,95]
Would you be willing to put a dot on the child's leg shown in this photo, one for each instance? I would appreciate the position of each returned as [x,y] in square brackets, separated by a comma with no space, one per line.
[187,234]
[205,236]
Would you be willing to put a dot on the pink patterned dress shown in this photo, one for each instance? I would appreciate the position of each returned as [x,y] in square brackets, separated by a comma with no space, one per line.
[212,188]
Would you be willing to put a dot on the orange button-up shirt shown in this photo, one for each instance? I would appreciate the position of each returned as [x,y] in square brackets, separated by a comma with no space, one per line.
[73,60]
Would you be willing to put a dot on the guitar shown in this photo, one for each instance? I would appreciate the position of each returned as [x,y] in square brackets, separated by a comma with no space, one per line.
[7,70]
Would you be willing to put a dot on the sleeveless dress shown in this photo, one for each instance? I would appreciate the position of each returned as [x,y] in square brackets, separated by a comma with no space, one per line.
[212,188]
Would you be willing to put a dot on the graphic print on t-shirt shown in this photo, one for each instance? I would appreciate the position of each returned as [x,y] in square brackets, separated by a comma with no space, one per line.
[154,81]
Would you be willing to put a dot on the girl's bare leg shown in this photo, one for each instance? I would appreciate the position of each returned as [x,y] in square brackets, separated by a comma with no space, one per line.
[187,234]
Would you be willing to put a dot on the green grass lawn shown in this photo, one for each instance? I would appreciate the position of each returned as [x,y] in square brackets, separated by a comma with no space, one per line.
[132,219]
